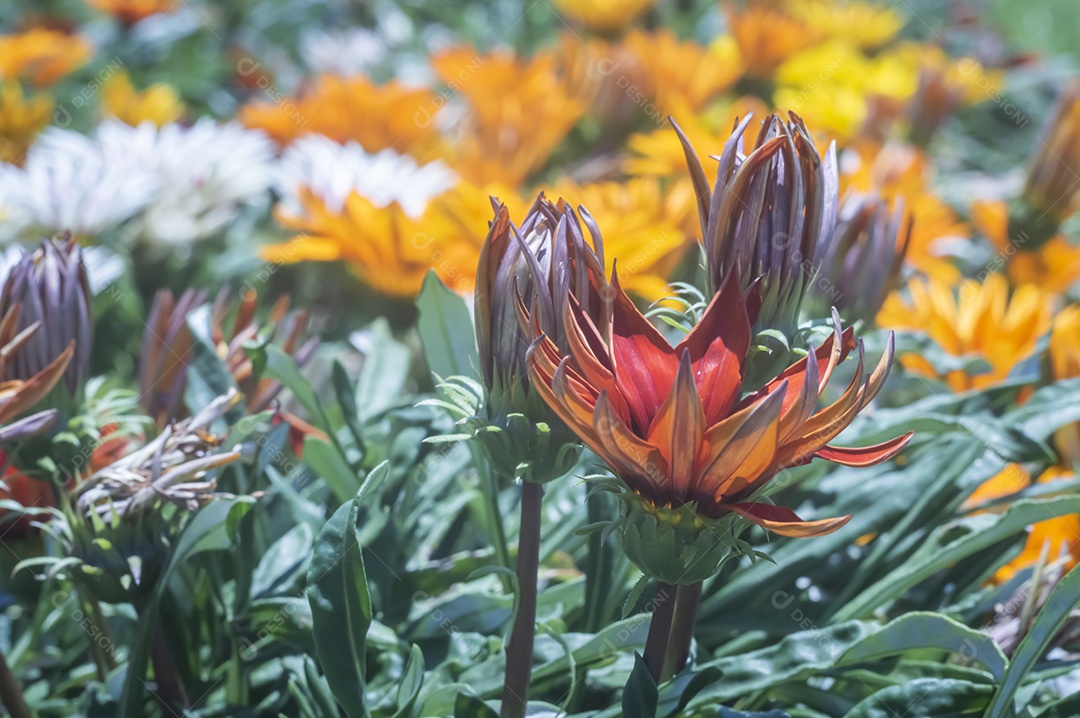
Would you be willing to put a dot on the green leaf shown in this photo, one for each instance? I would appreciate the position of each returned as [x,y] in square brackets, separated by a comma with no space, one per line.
[384,373]
[466,706]
[282,367]
[206,531]
[952,542]
[639,698]
[796,656]
[279,566]
[411,683]
[926,698]
[446,330]
[1048,623]
[326,461]
[920,631]
[341,608]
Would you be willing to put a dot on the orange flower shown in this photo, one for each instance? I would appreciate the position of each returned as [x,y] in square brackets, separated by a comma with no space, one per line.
[1054,266]
[519,112]
[130,12]
[42,56]
[379,117]
[681,77]
[1061,532]
[671,422]
[767,36]
[603,15]
[388,250]
[21,119]
[982,321]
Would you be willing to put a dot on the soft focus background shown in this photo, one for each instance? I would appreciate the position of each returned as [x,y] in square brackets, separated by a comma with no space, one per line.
[267,195]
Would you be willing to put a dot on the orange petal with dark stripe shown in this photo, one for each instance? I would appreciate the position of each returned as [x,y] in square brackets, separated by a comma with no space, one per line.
[865,455]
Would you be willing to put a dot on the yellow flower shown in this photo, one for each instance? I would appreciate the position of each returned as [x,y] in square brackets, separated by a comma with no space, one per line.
[1054,266]
[660,154]
[379,117]
[1064,353]
[982,321]
[867,25]
[1062,533]
[834,110]
[643,228]
[158,103]
[130,12]
[388,250]
[42,56]
[459,217]
[682,76]
[520,110]
[21,119]
[603,16]
[766,36]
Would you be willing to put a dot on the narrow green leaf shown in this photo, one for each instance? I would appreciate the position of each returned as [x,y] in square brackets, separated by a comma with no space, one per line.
[640,697]
[341,608]
[446,330]
[926,698]
[466,706]
[919,631]
[326,461]
[1063,599]
[411,682]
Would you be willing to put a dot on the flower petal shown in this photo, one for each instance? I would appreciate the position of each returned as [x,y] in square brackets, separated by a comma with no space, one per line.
[678,427]
[865,455]
[786,522]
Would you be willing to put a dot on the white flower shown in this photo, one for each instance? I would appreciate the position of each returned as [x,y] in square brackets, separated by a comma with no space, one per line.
[332,171]
[67,184]
[206,174]
[343,52]
[175,184]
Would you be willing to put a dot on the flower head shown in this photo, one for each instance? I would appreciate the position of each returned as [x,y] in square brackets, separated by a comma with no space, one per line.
[169,341]
[539,263]
[681,77]
[1051,190]
[981,320]
[356,109]
[158,104]
[674,426]
[604,16]
[130,12]
[370,211]
[770,217]
[125,516]
[863,261]
[766,36]
[18,396]
[50,290]
[42,56]
[21,119]
[519,111]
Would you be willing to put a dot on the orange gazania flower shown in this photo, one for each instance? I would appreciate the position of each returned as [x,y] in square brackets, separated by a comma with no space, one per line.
[681,77]
[603,15]
[21,120]
[767,36]
[981,320]
[671,421]
[130,12]
[378,117]
[520,110]
[388,250]
[1054,266]
[42,56]
[1062,533]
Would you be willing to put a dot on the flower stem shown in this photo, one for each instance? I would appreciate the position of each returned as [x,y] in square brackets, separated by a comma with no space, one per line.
[659,629]
[10,693]
[519,650]
[170,688]
[687,599]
